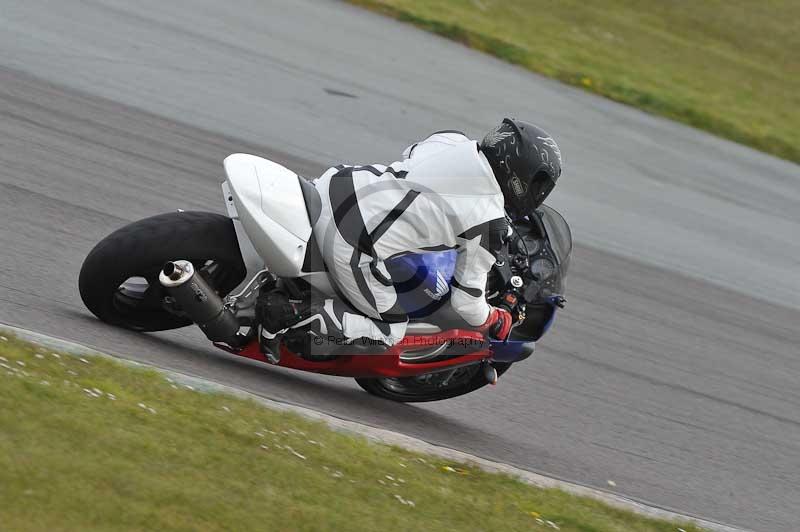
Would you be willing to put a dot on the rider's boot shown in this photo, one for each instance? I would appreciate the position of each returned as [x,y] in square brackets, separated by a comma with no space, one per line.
[275,313]
[317,332]
[312,329]
[307,328]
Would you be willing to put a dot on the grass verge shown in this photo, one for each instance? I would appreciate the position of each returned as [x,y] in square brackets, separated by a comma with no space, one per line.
[730,67]
[90,444]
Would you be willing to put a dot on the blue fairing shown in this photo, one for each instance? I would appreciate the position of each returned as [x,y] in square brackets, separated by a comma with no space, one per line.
[511,351]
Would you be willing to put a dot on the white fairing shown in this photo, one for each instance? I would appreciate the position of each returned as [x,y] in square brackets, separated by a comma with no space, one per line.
[270,206]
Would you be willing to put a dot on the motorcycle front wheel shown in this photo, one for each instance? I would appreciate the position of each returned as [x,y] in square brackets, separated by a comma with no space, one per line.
[118,281]
[430,386]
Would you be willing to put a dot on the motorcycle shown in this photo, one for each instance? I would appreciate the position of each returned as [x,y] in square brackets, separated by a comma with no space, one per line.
[181,268]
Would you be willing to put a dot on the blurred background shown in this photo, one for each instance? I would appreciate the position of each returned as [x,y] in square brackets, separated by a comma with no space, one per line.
[673,369]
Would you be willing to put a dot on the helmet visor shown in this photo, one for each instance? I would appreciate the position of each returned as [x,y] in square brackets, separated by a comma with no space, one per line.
[528,196]
[540,187]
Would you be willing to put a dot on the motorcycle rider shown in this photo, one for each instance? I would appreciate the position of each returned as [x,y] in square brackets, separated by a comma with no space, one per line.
[448,192]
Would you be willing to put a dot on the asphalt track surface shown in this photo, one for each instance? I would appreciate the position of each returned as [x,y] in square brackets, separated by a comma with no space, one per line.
[670,372]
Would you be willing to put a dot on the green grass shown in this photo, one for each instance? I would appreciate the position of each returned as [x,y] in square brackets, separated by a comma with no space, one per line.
[731,67]
[160,456]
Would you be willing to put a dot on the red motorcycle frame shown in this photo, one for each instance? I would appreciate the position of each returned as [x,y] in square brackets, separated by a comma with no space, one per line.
[386,364]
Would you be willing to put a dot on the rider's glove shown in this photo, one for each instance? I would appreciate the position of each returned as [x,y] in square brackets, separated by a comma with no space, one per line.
[498,324]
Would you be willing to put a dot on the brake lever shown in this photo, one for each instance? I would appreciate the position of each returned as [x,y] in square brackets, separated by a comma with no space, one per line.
[557,301]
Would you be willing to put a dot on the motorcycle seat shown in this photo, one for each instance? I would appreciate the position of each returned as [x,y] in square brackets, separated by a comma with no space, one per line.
[312,200]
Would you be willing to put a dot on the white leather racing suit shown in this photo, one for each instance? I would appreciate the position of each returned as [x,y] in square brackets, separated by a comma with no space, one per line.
[442,195]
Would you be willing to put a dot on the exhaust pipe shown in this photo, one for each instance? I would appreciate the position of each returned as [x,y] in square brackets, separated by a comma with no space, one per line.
[199,301]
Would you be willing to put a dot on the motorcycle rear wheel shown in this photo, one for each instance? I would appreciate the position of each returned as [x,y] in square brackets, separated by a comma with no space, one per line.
[429,387]
[118,281]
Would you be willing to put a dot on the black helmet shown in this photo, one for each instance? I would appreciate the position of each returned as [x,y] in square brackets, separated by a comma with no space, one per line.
[526,162]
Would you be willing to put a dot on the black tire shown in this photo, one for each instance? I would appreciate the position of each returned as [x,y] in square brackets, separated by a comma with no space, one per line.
[140,249]
[409,390]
